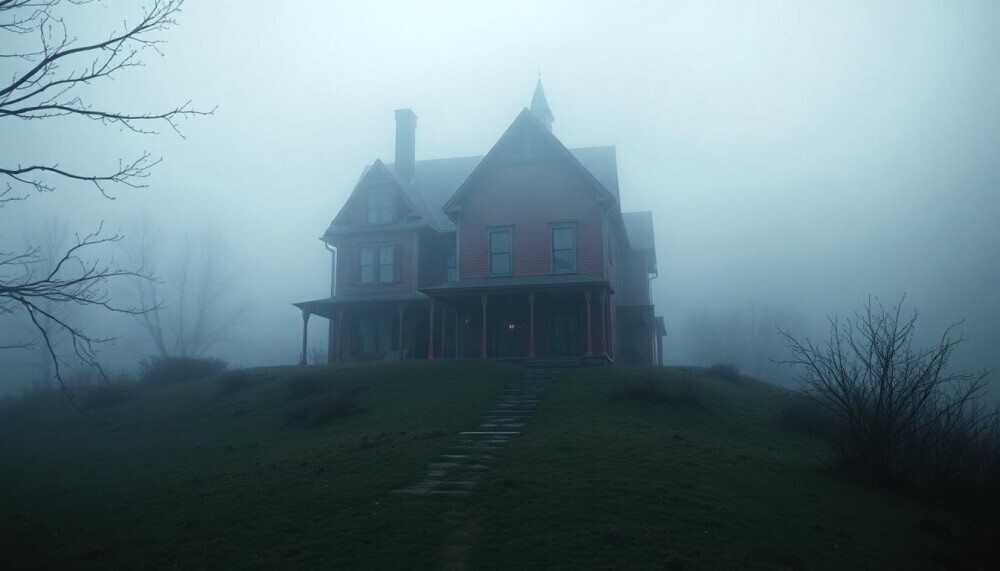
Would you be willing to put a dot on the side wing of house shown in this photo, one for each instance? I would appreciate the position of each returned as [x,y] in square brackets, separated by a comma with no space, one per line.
[376,235]
[637,323]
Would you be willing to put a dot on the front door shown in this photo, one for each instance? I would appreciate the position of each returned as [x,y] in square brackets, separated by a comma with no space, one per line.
[565,332]
[505,336]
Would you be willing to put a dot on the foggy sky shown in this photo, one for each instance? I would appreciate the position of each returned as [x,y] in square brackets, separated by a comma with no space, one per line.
[807,156]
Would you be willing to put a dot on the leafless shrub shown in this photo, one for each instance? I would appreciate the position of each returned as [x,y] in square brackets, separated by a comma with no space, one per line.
[648,389]
[234,381]
[900,416]
[305,384]
[105,395]
[724,371]
[645,390]
[169,370]
[323,407]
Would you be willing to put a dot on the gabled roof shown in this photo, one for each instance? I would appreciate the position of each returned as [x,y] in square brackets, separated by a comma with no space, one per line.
[527,120]
[435,181]
[377,174]
[438,182]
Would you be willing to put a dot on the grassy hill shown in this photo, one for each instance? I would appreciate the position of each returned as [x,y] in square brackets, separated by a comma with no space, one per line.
[195,475]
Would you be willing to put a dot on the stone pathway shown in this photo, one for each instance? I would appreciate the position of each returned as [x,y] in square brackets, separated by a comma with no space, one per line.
[463,467]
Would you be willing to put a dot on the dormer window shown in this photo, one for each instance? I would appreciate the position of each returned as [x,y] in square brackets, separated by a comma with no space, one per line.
[380,208]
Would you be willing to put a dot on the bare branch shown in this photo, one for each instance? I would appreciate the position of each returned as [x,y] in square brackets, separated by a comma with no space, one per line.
[48,85]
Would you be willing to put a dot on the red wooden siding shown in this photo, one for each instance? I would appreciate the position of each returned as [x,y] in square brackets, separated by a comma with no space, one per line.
[529,197]
[348,264]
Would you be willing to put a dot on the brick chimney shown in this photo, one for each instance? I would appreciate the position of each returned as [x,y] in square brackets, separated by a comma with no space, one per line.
[406,132]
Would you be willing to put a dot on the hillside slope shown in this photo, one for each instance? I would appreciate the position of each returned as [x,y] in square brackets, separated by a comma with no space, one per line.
[697,478]
[190,476]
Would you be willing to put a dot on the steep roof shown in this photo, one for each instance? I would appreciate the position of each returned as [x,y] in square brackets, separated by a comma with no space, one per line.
[527,123]
[435,181]
[639,228]
[540,106]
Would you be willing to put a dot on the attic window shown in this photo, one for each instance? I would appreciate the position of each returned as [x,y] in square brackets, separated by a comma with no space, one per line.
[380,208]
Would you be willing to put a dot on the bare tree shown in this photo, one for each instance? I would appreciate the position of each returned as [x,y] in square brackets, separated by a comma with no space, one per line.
[51,240]
[52,69]
[197,304]
[896,407]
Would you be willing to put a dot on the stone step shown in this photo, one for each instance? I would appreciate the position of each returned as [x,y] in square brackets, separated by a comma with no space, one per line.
[458,484]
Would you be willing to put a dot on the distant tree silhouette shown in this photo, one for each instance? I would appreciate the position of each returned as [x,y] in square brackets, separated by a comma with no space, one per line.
[52,68]
[195,303]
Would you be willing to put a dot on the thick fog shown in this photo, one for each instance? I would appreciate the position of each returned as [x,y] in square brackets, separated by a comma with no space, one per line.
[797,159]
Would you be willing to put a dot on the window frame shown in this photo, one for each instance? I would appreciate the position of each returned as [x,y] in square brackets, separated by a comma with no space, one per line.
[490,231]
[380,208]
[377,264]
[553,227]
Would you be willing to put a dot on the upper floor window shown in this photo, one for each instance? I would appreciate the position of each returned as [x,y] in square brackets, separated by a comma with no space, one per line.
[451,267]
[501,251]
[377,264]
[563,248]
[380,208]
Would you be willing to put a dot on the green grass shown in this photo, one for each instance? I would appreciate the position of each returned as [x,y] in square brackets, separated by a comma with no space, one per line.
[190,475]
[605,482]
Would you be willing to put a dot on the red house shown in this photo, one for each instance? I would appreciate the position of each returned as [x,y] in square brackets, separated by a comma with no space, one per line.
[521,253]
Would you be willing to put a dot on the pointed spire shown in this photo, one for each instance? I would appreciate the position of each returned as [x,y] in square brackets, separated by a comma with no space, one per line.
[540,107]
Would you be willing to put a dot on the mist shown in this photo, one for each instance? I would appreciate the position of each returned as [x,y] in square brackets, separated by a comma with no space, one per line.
[799,158]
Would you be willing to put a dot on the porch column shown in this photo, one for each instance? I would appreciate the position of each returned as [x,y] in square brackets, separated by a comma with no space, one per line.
[604,324]
[401,309]
[590,339]
[482,352]
[305,336]
[339,352]
[531,335]
[430,338]
[444,327]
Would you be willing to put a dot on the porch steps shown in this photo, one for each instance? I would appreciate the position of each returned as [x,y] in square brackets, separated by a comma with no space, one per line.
[463,467]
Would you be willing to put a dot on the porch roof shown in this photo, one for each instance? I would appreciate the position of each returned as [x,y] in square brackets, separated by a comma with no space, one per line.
[519,283]
[327,307]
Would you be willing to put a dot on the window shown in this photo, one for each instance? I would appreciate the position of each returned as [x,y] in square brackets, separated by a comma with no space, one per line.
[385,264]
[451,267]
[379,208]
[563,248]
[377,264]
[500,252]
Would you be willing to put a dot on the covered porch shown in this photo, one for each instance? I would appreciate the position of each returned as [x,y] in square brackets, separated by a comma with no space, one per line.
[371,327]
[495,319]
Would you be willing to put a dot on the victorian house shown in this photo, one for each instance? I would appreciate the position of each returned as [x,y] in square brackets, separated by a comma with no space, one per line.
[521,253]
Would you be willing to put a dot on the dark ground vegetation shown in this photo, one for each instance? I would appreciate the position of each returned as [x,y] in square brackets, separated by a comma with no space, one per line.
[620,467]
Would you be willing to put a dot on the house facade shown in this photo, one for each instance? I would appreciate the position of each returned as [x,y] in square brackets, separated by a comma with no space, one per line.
[523,252]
